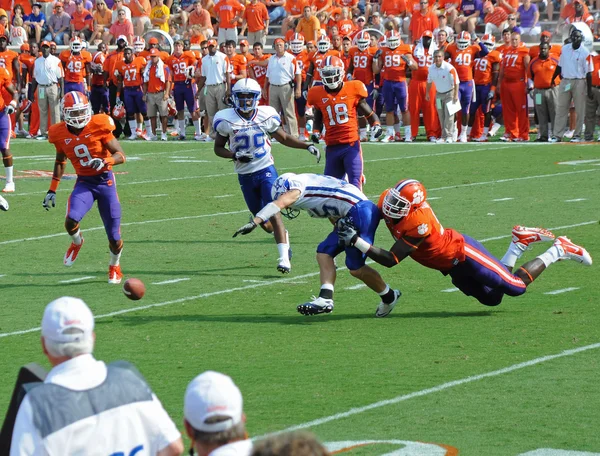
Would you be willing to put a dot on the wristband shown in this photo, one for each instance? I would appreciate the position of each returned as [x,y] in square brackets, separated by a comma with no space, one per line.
[362,245]
[54,184]
[268,211]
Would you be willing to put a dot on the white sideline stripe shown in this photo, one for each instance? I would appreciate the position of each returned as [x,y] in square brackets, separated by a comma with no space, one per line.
[78,279]
[2,275]
[154,196]
[450,290]
[254,281]
[434,198]
[189,161]
[356,287]
[575,200]
[165,282]
[435,389]
[562,290]
[222,196]
[579,162]
[503,199]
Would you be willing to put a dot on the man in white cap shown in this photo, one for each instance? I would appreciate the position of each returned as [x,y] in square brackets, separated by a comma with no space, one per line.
[214,419]
[85,406]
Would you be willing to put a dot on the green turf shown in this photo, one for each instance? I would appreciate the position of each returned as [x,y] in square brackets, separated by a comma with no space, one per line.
[236,314]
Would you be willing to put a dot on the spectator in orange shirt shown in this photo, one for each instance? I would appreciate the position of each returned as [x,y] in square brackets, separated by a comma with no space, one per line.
[345,25]
[321,6]
[495,18]
[140,15]
[510,6]
[245,50]
[308,25]
[256,19]
[228,13]
[102,20]
[81,22]
[579,15]
[422,21]
[199,21]
[294,10]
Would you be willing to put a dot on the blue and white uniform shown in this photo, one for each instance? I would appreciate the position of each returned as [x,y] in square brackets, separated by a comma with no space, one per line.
[329,197]
[252,137]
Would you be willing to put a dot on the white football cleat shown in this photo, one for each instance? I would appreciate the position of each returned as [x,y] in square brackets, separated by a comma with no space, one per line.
[133,137]
[433,139]
[570,251]
[569,133]
[9,187]
[482,138]
[408,139]
[387,139]
[316,306]
[383,309]
[523,236]
[3,204]
[284,266]
[163,137]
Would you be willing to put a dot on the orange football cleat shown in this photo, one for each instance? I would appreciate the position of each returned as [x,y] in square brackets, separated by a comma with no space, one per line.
[114,274]
[523,236]
[72,253]
[571,251]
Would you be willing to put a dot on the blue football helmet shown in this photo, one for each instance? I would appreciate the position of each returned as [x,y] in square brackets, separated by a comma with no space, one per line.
[281,186]
[246,94]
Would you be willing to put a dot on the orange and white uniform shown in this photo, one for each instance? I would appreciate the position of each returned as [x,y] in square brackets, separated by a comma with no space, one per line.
[178,65]
[463,60]
[362,65]
[513,91]
[237,64]
[417,89]
[260,72]
[393,66]
[97,78]
[316,58]
[74,65]
[131,73]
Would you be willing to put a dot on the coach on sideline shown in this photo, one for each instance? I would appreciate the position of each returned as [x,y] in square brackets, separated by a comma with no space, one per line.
[85,406]
[214,417]
[445,78]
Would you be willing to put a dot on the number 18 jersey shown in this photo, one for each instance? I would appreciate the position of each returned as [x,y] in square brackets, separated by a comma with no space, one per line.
[339,111]
[249,136]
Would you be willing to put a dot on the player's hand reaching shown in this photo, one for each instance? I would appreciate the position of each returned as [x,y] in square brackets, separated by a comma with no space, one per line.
[315,137]
[247,228]
[346,232]
[50,198]
[242,157]
[96,164]
[315,151]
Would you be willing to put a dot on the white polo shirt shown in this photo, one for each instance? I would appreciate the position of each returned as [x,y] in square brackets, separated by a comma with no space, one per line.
[574,62]
[239,448]
[215,68]
[48,70]
[115,430]
[444,77]
[282,70]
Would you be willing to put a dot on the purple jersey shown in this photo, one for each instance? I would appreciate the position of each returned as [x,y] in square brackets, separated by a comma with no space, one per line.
[469,7]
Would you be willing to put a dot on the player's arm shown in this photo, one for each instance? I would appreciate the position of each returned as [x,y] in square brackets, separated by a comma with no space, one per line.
[16,72]
[291,141]
[365,110]
[88,75]
[221,150]
[410,62]
[117,155]
[270,210]
[309,77]
[317,125]
[377,62]
[12,106]
[557,72]
[59,168]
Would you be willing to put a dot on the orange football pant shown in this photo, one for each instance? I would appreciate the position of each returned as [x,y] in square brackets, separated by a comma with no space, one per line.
[416,96]
[514,107]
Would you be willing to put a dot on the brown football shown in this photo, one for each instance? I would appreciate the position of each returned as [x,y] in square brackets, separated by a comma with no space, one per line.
[134,289]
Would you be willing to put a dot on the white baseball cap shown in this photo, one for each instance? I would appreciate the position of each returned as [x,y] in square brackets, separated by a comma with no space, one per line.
[122,37]
[66,313]
[212,394]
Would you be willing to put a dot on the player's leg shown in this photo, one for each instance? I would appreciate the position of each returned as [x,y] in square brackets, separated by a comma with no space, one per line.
[301,116]
[334,161]
[433,126]
[110,212]
[402,97]
[353,163]
[465,96]
[470,287]
[390,107]
[415,105]
[523,111]
[142,114]
[509,107]
[79,203]
[7,159]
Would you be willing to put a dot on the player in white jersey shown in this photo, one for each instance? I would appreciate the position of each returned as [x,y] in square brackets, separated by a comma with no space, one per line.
[332,198]
[248,129]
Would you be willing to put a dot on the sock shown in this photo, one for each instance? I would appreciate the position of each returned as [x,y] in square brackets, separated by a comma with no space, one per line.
[77,238]
[302,132]
[148,125]
[486,130]
[407,131]
[512,255]
[139,125]
[197,127]
[284,249]
[552,255]
[9,174]
[397,127]
[387,295]
[363,132]
[469,131]
[114,259]
[390,131]
[132,126]
[326,291]
[182,127]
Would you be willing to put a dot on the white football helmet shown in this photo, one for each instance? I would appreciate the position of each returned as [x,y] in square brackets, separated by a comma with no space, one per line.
[363,41]
[323,45]
[281,186]
[393,40]
[297,43]
[246,94]
[463,41]
[76,44]
[331,70]
[139,44]
[489,41]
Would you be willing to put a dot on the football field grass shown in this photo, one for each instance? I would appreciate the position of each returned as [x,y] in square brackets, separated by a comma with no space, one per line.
[441,368]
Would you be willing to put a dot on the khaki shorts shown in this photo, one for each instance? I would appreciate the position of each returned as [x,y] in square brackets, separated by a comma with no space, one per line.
[155,103]
[201,100]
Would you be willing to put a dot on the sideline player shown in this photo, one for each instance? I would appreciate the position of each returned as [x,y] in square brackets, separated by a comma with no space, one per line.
[248,128]
[87,141]
[473,270]
[328,197]
[130,72]
[335,106]
[76,64]
[6,110]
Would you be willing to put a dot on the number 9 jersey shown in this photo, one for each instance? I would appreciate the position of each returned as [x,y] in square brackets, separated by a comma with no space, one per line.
[339,111]
[250,137]
[90,143]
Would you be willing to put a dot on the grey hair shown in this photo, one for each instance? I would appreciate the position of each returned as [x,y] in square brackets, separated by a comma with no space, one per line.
[70,349]
[237,432]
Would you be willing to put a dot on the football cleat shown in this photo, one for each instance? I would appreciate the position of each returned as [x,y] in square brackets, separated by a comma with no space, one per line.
[72,253]
[9,187]
[316,306]
[387,139]
[133,137]
[139,133]
[523,236]
[570,251]
[163,136]
[284,266]
[398,137]
[383,309]
[408,139]
[482,138]
[3,204]
[433,139]
[364,139]
[569,134]
[114,274]
[174,133]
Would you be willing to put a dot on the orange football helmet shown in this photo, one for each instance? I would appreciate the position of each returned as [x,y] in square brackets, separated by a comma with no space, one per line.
[399,200]
[331,70]
[25,106]
[363,40]
[297,43]
[118,111]
[463,41]
[76,109]
[171,107]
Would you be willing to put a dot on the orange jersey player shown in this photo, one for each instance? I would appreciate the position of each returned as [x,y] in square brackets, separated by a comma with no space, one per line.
[8,106]
[237,62]
[76,65]
[257,69]
[335,106]
[129,72]
[316,58]
[418,234]
[87,141]
[9,60]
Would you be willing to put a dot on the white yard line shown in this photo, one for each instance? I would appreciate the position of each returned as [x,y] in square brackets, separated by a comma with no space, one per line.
[166,282]
[356,287]
[78,279]
[154,196]
[435,389]
[575,200]
[561,291]
[223,196]
[450,290]
[503,199]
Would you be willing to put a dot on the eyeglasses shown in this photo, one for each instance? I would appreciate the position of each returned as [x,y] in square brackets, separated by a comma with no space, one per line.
[204,48]
[423,3]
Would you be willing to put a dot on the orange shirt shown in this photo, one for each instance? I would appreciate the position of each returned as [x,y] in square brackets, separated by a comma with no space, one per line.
[392,7]
[90,143]
[155,84]
[542,71]
[483,68]
[394,67]
[74,65]
[256,16]
[6,61]
[345,26]
[303,60]
[178,65]
[131,73]
[555,51]
[316,58]
[80,20]
[110,64]
[569,10]
[5,81]
[136,11]
[319,4]
[514,64]
[260,72]
[98,59]
[513,3]
[309,28]
[595,59]
[503,48]
[27,61]
[295,7]
[363,65]
[463,60]
[339,111]
[346,59]
[440,248]
[225,11]
[347,3]
[237,64]
[419,23]
[424,61]
[145,54]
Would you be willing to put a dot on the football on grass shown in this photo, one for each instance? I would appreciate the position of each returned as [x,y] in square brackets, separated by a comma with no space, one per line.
[134,289]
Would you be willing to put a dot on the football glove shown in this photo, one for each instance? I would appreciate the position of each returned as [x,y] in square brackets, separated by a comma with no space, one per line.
[346,232]
[405,58]
[377,54]
[96,164]
[11,108]
[315,151]
[247,228]
[376,131]
[315,137]
[242,157]
[49,198]
[305,94]
[491,95]
[375,94]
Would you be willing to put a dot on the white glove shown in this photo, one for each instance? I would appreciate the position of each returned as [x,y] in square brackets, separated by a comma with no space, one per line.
[247,228]
[376,131]
[315,151]
[96,164]
[315,137]
[491,95]
[11,108]
[49,198]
